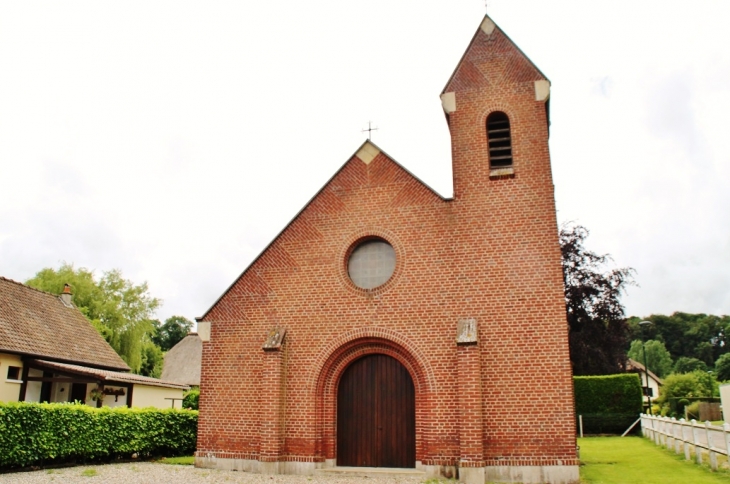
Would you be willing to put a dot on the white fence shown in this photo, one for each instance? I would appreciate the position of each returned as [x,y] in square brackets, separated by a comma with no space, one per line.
[683,436]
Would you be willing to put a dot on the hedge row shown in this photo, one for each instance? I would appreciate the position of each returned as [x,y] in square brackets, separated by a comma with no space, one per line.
[46,433]
[609,404]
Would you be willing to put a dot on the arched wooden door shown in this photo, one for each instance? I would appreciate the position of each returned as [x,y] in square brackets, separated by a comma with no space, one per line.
[376,414]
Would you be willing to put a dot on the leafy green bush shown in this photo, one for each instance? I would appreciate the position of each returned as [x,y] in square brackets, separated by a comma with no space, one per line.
[693,410]
[191,398]
[608,404]
[44,433]
[681,389]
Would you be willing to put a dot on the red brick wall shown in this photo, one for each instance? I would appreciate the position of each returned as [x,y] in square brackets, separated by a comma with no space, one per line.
[491,254]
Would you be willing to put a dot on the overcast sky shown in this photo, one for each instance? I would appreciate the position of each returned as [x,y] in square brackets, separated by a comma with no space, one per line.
[174,140]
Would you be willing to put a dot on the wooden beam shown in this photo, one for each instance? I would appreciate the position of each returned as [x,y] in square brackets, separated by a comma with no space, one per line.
[61,379]
[24,385]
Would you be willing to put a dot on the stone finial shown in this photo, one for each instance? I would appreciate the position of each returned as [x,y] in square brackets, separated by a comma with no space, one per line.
[466,331]
[275,338]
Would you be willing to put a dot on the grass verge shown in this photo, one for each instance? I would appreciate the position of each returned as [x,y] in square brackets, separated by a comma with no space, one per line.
[629,460]
[180,461]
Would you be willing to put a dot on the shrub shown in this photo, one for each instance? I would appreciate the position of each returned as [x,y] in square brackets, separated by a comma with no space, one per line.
[44,433]
[191,398]
[681,389]
[693,410]
[608,404]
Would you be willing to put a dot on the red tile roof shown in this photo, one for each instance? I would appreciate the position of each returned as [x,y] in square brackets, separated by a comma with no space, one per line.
[39,324]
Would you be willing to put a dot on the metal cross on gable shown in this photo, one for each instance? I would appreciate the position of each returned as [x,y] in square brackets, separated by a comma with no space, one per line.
[369,130]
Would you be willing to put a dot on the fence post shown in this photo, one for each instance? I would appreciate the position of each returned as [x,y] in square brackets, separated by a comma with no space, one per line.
[726,435]
[580,424]
[713,454]
[678,437]
[675,441]
[695,441]
[646,425]
[669,439]
[685,441]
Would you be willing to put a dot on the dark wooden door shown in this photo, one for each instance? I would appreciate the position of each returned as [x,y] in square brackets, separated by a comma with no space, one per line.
[376,414]
[46,388]
[78,392]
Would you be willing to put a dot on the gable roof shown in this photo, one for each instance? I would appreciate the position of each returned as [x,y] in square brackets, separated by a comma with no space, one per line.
[38,324]
[369,149]
[486,24]
[106,376]
[633,365]
[182,362]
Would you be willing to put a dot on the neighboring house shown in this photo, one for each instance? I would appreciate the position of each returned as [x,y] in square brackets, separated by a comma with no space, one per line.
[49,352]
[654,381]
[182,362]
[388,326]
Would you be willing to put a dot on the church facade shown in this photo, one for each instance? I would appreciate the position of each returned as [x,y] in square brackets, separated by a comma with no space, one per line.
[389,327]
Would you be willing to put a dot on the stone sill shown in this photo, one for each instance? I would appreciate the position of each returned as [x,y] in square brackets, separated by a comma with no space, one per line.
[505,172]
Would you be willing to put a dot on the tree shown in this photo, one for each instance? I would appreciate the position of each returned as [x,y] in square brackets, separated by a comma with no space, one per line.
[598,329]
[688,365]
[722,367]
[172,332]
[152,360]
[657,357]
[119,309]
[699,336]
[681,389]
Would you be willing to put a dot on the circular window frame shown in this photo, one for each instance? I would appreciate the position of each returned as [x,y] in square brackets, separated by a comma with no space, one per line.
[352,243]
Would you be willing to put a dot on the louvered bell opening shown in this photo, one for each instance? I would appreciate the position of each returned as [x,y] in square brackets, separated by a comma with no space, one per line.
[500,142]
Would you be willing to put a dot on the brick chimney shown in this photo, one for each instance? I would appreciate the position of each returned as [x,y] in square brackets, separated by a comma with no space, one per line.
[66,296]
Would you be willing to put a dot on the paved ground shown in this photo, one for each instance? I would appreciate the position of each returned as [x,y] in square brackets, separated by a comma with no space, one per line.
[152,473]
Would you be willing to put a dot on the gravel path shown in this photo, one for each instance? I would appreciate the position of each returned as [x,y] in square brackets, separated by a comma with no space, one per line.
[153,473]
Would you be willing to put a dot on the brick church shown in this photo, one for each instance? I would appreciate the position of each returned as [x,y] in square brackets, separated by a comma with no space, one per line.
[389,327]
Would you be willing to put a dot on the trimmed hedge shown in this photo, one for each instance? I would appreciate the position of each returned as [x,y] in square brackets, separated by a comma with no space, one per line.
[609,404]
[48,433]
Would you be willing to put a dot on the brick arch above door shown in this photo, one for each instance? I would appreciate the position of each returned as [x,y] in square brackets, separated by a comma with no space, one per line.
[345,349]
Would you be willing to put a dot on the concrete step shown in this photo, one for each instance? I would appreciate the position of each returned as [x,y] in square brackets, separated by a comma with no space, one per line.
[369,472]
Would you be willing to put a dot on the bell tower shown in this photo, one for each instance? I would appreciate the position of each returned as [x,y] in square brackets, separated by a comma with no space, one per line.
[496,104]
[506,256]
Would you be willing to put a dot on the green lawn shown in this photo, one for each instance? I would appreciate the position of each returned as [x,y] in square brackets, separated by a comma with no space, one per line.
[182,461]
[632,460]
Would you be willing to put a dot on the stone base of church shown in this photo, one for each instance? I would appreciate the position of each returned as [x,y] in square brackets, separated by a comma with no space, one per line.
[472,475]
[449,472]
[228,464]
[468,475]
[529,474]
[257,467]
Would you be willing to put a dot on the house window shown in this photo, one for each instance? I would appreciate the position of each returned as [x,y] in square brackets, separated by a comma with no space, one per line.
[499,139]
[13,373]
[371,263]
